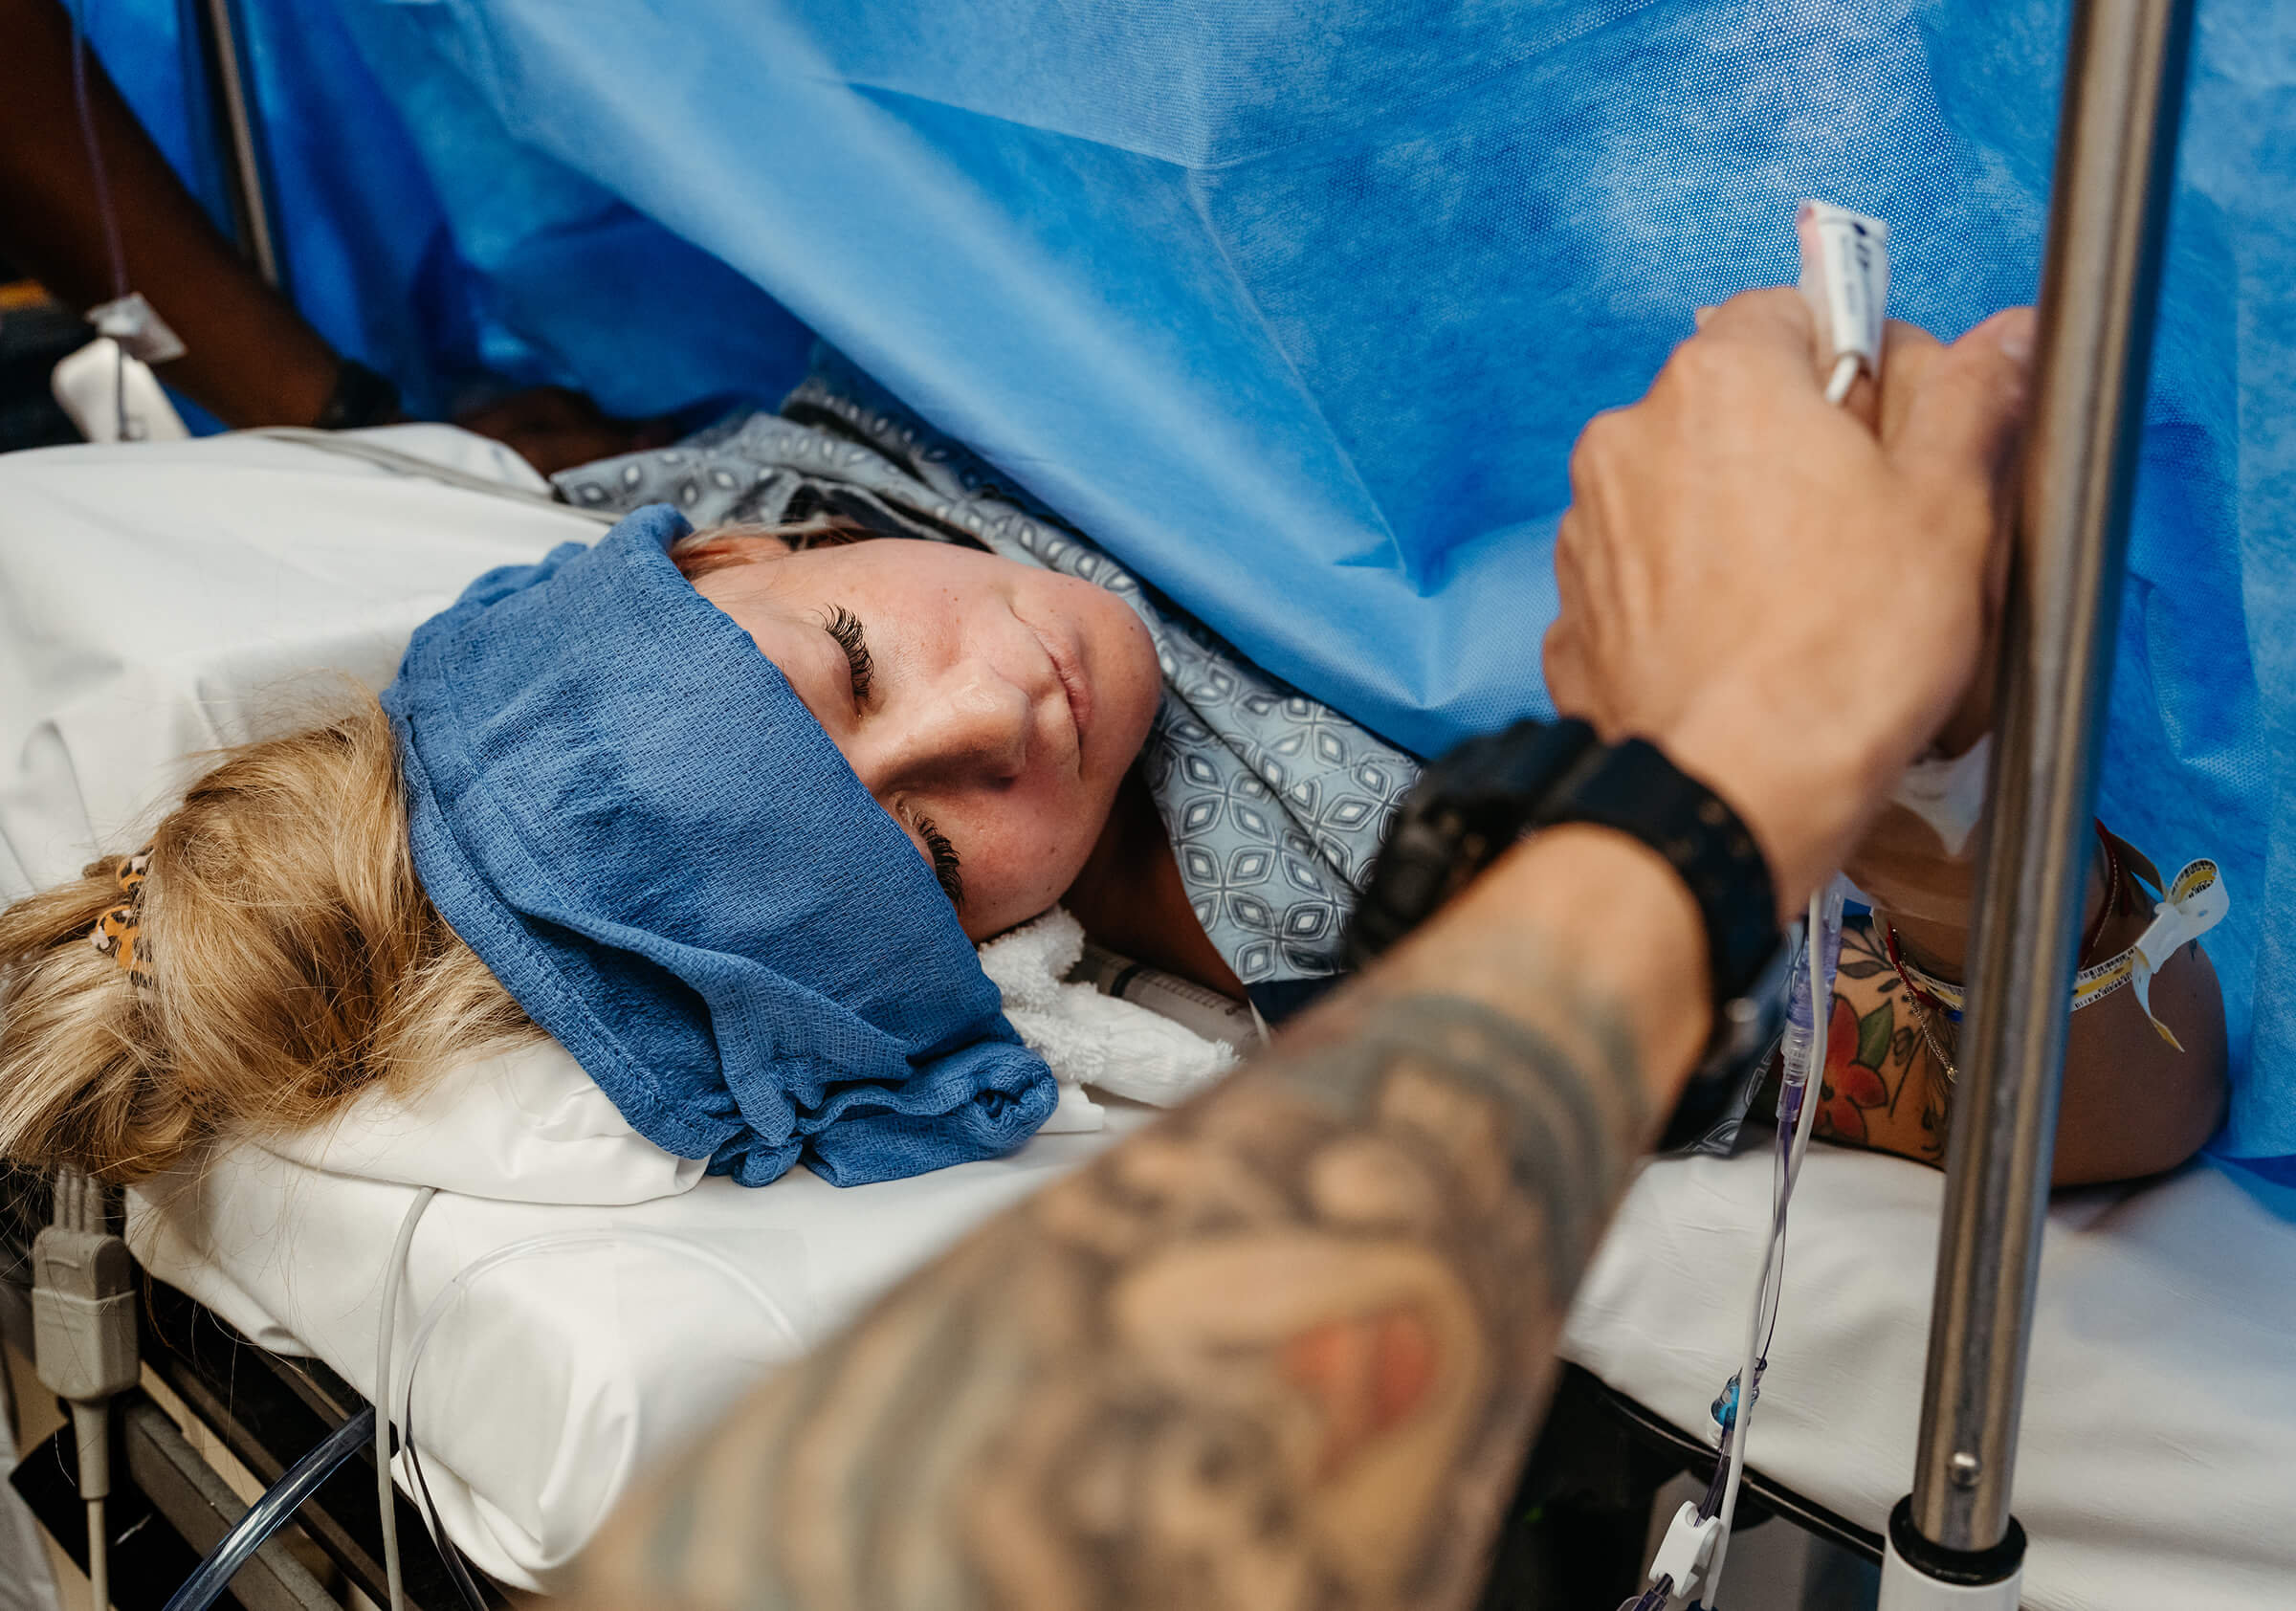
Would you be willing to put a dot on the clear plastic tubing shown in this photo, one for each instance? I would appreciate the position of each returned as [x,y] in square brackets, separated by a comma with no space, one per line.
[269,1514]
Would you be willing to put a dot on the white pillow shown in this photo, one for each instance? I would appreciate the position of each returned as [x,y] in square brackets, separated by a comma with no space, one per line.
[526,1126]
[158,600]
[162,599]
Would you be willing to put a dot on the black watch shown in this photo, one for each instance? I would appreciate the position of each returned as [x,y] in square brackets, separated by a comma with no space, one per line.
[361,397]
[1474,802]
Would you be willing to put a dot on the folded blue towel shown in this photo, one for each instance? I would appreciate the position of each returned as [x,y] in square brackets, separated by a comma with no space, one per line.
[622,806]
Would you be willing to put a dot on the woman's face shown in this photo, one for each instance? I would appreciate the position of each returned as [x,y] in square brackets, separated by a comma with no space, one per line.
[989,707]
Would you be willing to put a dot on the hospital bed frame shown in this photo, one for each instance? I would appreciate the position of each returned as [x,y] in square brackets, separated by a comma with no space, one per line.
[170,1505]
[1578,1528]
[1951,1541]
[1575,1534]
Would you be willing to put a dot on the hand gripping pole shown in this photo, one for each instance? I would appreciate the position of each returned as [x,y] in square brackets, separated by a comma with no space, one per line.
[1952,1542]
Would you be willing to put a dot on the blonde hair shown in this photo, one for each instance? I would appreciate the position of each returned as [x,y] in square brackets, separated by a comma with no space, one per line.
[288,960]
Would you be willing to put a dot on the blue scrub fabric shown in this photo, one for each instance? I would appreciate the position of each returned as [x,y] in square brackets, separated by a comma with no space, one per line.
[619,805]
[1298,310]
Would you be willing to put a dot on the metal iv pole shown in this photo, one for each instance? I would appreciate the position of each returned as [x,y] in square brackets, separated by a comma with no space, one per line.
[1953,1544]
[221,62]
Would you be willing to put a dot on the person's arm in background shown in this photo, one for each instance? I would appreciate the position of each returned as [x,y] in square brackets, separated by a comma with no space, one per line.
[249,357]
[1288,1347]
[2133,1104]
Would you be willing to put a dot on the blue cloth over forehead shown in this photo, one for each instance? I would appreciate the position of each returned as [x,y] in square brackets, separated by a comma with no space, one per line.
[622,808]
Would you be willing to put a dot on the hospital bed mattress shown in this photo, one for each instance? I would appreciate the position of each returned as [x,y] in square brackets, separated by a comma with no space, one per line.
[2155,1470]
[556,1378]
[152,613]
[2157,1466]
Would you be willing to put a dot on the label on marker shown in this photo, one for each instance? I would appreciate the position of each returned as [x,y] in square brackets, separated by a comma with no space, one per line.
[1845,280]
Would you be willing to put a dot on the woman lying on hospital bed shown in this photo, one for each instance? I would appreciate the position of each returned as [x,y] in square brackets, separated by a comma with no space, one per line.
[1026,724]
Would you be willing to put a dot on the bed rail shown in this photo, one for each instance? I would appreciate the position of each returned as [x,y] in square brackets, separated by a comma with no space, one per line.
[1953,1542]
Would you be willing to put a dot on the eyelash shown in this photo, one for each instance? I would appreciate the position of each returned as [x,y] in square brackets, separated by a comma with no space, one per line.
[945,863]
[845,627]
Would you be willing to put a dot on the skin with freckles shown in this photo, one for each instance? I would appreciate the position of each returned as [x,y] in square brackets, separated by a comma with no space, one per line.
[992,709]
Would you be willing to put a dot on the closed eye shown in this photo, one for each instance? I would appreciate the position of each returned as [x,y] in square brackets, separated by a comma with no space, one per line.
[945,865]
[843,626]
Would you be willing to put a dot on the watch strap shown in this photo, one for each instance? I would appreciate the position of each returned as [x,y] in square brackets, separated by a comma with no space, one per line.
[1631,787]
[1472,804]
[361,397]
[1484,795]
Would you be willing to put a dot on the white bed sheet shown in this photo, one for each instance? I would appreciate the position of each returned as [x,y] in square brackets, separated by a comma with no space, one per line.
[2157,1466]
[160,599]
[555,1379]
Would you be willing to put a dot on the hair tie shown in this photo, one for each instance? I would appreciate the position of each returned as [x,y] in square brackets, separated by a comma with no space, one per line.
[118,934]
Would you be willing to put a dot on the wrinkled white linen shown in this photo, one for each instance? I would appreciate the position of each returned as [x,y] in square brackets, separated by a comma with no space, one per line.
[159,600]
[559,1378]
[1087,1038]
[2156,1468]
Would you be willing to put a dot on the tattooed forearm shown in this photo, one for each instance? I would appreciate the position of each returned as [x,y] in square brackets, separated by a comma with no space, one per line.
[1284,1351]
[1567,1119]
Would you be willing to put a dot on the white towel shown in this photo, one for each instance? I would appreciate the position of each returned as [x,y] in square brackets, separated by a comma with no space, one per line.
[1090,1039]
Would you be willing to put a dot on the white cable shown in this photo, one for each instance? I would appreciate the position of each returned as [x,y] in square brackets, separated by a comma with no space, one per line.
[386,1497]
[1853,313]
[1843,377]
[416,466]
[99,1559]
[1804,1122]
[1772,1283]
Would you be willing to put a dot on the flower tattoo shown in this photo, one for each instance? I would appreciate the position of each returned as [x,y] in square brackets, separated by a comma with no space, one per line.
[1880,1088]
[1852,1085]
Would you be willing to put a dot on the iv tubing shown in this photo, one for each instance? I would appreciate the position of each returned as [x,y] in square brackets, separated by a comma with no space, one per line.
[1765,1306]
[269,1514]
